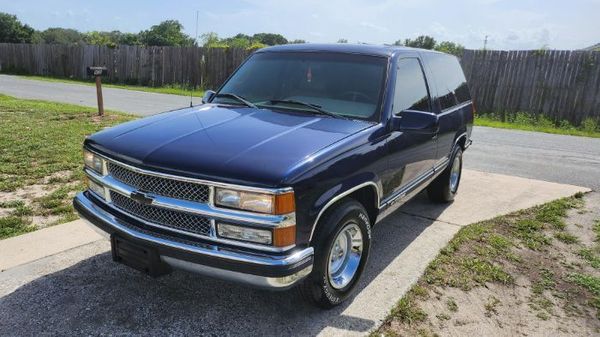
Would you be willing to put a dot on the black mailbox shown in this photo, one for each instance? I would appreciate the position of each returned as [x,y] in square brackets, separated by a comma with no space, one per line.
[97,71]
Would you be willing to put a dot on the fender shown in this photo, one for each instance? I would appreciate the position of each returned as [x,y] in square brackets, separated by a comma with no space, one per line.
[341,195]
[459,137]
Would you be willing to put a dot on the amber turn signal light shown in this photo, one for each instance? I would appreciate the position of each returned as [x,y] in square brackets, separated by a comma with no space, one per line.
[284,236]
[284,203]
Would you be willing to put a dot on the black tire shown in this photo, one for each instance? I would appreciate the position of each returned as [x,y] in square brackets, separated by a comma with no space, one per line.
[441,189]
[317,288]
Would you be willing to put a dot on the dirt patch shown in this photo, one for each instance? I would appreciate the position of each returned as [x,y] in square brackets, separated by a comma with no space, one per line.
[58,177]
[580,221]
[27,194]
[519,275]
[38,205]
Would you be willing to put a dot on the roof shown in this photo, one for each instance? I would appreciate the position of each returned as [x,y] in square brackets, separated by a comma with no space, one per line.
[366,49]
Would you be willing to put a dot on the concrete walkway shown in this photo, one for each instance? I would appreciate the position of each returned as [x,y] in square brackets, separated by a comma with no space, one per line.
[62,281]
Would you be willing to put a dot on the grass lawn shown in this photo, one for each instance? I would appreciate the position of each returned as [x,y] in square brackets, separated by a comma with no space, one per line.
[533,125]
[526,273]
[172,89]
[41,161]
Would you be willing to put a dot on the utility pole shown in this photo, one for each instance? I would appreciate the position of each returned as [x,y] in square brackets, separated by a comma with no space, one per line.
[191,81]
[485,43]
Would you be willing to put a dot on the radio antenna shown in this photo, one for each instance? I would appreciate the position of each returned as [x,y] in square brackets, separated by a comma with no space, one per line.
[196,47]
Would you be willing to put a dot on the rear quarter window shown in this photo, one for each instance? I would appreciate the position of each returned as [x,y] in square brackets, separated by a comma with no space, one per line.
[449,80]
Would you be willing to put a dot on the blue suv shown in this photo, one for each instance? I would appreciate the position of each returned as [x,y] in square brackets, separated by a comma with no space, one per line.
[277,179]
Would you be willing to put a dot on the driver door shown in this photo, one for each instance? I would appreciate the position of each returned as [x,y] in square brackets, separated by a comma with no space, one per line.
[412,142]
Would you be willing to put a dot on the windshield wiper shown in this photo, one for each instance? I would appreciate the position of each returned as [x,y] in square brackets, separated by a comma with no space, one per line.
[237,98]
[313,107]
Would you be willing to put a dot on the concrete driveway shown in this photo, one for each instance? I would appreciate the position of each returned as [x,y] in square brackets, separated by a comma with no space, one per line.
[79,290]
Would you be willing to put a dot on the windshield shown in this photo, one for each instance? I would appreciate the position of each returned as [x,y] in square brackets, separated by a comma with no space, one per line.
[346,85]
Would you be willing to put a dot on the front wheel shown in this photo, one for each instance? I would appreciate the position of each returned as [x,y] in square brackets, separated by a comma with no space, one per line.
[342,246]
[445,186]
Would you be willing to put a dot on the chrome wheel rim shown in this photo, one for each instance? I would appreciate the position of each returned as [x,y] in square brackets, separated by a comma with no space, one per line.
[455,173]
[345,255]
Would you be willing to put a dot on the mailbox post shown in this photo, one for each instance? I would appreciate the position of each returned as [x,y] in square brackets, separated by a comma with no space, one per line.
[98,72]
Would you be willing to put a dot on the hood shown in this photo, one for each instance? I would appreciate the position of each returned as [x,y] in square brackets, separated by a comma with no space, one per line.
[232,144]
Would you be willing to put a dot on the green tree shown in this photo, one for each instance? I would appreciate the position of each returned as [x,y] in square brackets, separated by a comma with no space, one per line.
[130,39]
[342,41]
[297,41]
[423,41]
[57,35]
[101,38]
[212,40]
[167,33]
[270,39]
[238,41]
[450,48]
[13,31]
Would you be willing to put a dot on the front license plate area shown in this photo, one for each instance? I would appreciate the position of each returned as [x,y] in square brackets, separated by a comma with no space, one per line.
[143,258]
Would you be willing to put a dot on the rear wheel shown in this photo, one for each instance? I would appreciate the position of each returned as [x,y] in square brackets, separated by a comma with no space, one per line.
[342,245]
[445,186]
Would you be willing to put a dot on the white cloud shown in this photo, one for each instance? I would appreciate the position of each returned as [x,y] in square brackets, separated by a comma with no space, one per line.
[374,26]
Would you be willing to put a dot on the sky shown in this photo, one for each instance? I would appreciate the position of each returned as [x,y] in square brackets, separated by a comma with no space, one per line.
[516,24]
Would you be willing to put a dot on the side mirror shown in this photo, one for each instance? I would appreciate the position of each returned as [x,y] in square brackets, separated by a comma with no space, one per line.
[416,122]
[208,95]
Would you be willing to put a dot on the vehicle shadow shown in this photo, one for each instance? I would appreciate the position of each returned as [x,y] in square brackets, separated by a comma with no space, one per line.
[96,296]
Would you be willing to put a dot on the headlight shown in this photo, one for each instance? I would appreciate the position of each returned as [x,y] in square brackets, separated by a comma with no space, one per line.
[93,162]
[255,202]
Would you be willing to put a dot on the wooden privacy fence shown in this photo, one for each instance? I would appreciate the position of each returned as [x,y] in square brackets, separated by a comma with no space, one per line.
[558,84]
[154,66]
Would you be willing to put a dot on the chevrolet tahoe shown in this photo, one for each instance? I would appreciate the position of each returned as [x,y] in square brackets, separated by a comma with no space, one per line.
[277,179]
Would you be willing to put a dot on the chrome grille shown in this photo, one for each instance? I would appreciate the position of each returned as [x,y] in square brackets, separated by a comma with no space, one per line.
[187,222]
[162,186]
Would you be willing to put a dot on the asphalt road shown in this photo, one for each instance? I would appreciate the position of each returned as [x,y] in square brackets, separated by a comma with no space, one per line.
[555,158]
[542,156]
[135,102]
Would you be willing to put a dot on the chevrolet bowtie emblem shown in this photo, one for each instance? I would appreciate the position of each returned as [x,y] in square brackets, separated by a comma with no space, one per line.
[141,197]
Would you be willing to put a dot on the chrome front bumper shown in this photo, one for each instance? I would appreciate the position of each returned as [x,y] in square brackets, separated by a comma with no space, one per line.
[253,268]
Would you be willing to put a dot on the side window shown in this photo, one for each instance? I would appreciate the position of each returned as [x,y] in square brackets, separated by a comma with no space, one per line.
[449,80]
[411,91]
